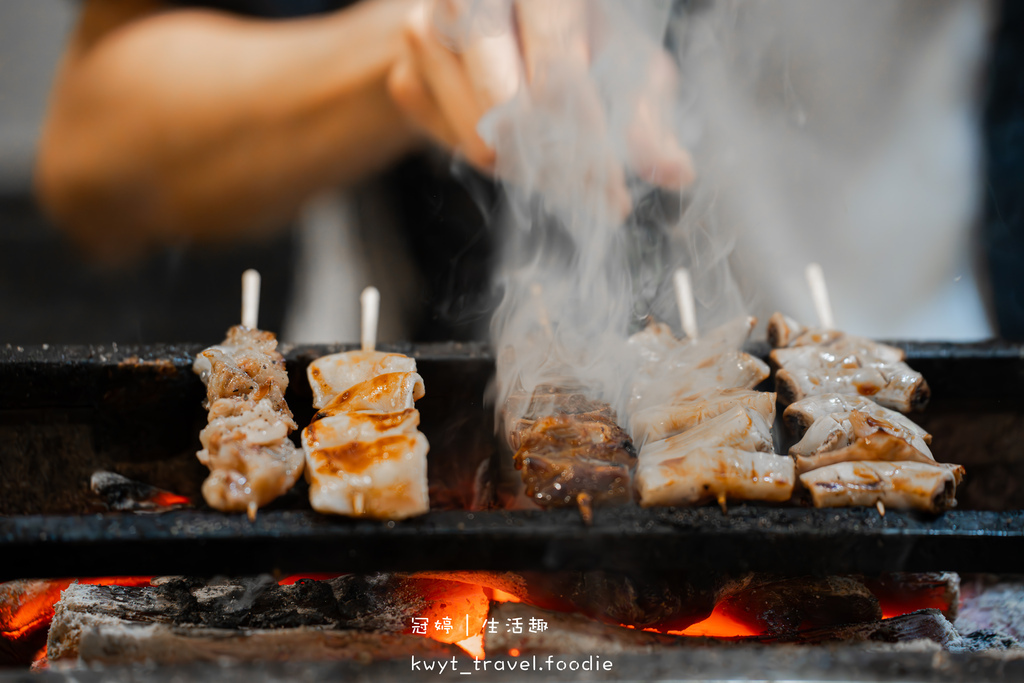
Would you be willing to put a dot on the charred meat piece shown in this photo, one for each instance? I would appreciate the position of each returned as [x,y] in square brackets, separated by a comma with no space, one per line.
[929,487]
[816,362]
[801,415]
[718,474]
[836,432]
[245,443]
[567,461]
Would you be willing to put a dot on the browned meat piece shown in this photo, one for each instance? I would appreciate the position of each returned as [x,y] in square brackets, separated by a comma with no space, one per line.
[859,435]
[829,362]
[245,443]
[246,365]
[929,487]
[565,461]
[800,416]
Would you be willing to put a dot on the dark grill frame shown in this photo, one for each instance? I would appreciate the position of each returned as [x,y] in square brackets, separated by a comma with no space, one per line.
[141,407]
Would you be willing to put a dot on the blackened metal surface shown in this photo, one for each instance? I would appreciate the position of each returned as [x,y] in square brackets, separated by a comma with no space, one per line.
[783,540]
[66,412]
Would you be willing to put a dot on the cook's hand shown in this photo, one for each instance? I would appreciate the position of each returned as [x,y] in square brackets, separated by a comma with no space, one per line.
[451,75]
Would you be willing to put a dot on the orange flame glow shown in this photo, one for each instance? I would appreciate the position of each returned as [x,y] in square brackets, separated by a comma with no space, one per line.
[168,499]
[718,625]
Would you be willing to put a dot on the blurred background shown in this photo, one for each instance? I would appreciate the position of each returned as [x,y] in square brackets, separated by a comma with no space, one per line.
[49,293]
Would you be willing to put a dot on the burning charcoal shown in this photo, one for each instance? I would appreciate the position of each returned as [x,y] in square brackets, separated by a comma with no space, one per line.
[96,640]
[26,608]
[903,592]
[342,618]
[662,600]
[122,493]
[926,624]
[570,634]
[794,604]
[993,604]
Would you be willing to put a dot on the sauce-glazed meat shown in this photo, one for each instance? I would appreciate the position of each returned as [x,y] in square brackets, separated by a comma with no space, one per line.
[364,454]
[565,460]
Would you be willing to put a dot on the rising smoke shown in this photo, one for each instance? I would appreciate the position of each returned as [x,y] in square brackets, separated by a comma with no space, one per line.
[811,125]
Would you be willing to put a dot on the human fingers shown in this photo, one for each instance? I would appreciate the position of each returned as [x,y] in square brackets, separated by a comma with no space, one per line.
[408,91]
[445,77]
[654,151]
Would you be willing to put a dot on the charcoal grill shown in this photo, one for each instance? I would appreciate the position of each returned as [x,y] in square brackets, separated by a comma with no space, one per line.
[66,412]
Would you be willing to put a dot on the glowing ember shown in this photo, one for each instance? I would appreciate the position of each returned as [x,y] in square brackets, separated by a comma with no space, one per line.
[498,595]
[168,499]
[455,611]
[295,578]
[473,646]
[514,652]
[895,606]
[718,625]
[26,610]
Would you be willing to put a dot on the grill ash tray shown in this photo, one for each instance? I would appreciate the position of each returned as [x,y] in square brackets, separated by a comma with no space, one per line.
[67,412]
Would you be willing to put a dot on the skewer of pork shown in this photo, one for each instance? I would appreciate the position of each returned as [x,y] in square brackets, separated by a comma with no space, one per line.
[245,443]
[364,454]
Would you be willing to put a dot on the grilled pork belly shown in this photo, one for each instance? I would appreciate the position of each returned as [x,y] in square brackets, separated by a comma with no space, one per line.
[801,415]
[565,460]
[245,443]
[334,374]
[659,422]
[900,485]
[364,454]
[706,474]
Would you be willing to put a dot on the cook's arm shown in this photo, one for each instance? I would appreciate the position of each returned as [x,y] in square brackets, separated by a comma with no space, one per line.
[170,124]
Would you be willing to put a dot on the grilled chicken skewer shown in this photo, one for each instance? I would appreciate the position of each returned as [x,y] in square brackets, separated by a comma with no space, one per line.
[245,443]
[364,454]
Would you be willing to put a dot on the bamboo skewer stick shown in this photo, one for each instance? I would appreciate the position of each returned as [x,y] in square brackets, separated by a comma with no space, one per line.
[370,300]
[251,298]
[685,301]
[819,293]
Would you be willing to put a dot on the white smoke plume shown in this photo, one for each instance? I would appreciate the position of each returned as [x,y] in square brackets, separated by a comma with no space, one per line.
[816,129]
